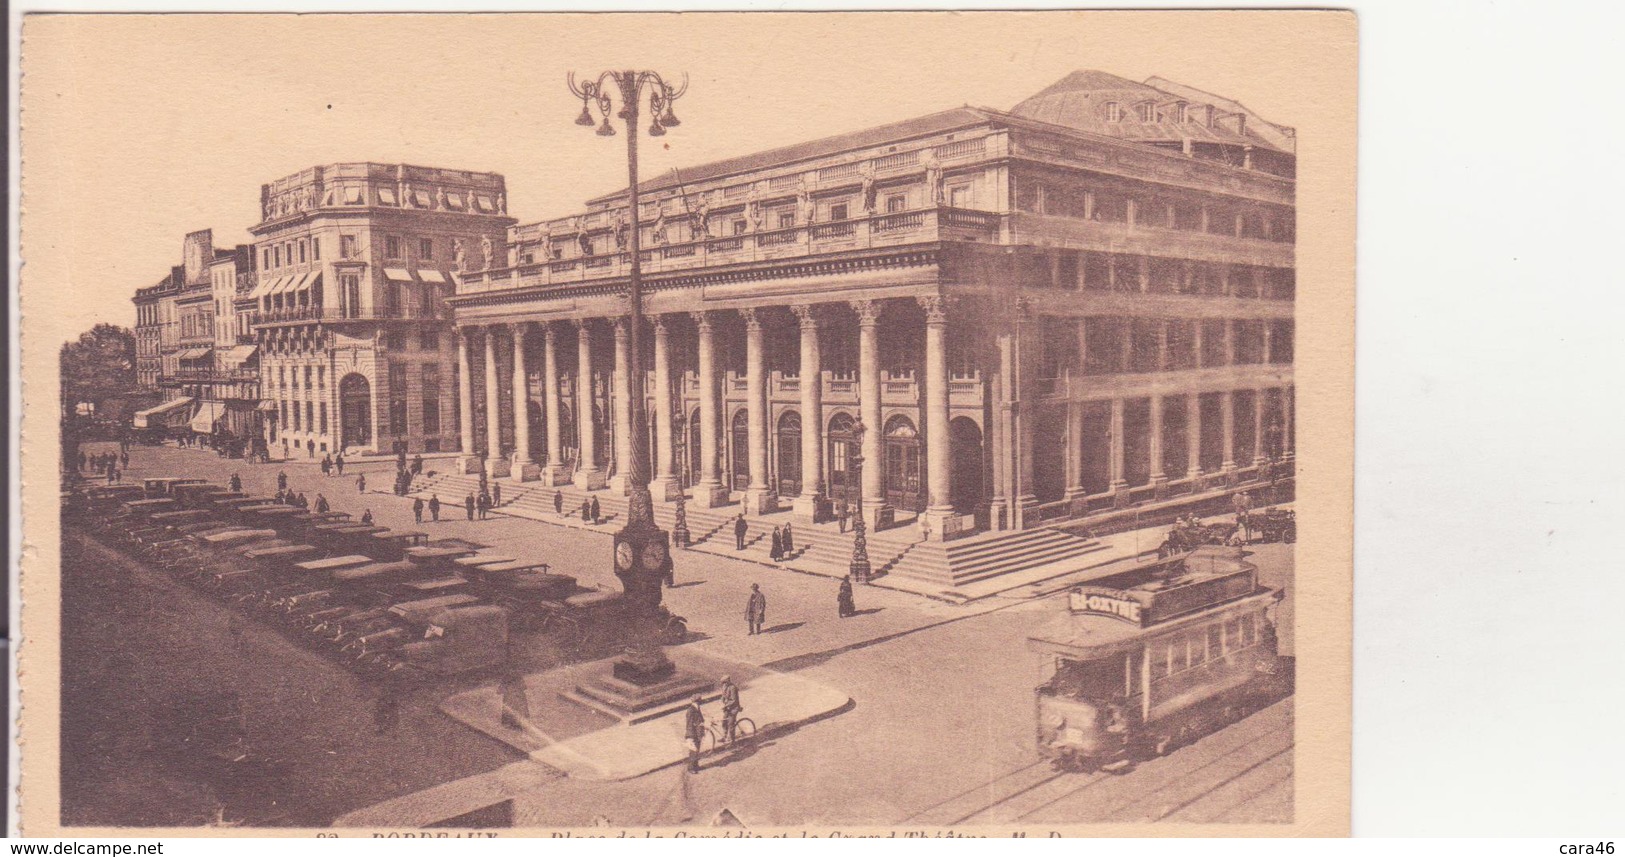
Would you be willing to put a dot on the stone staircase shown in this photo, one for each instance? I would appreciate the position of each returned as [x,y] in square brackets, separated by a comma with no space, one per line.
[957,563]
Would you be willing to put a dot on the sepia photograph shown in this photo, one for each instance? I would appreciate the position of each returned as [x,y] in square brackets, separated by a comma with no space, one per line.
[848,422]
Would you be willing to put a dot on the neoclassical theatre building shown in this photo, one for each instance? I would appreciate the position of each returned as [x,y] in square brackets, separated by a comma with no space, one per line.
[1075,306]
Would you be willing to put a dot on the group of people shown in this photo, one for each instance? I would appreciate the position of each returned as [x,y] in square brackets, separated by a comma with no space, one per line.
[478,504]
[333,466]
[108,464]
[780,547]
[694,720]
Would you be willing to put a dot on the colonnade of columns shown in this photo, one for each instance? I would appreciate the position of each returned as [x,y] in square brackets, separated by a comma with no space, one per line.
[758,496]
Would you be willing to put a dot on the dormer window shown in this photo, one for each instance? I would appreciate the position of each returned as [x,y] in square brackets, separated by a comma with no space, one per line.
[1147,111]
[1182,112]
[1114,112]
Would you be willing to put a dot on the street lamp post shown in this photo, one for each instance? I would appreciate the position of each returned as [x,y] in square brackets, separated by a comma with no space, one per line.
[859,569]
[642,551]
[679,528]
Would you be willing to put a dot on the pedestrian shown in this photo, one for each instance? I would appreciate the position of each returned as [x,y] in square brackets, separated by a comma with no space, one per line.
[496,494]
[844,605]
[321,505]
[281,495]
[597,513]
[417,510]
[124,460]
[366,517]
[327,465]
[740,529]
[789,546]
[776,552]
[558,503]
[339,463]
[304,502]
[730,708]
[114,476]
[434,507]
[417,464]
[361,483]
[484,504]
[282,479]
[236,482]
[310,449]
[756,609]
[840,517]
[586,511]
[694,730]
[468,504]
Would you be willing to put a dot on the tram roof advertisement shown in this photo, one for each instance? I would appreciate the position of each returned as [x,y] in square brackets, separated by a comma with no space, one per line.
[1156,593]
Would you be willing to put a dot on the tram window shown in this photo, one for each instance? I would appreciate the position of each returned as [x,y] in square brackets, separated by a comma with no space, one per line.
[1177,661]
[1087,679]
[1197,644]
[1215,640]
[1159,662]
[1232,634]
[1247,631]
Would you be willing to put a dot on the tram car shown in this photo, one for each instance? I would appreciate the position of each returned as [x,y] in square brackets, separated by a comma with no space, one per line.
[1153,658]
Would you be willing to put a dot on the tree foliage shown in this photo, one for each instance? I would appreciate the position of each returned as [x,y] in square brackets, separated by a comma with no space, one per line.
[99,364]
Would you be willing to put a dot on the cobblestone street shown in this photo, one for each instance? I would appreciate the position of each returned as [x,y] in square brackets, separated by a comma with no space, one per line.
[939,732]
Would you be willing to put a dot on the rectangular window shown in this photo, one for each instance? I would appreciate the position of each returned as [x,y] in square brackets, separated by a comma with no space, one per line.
[310,416]
[395,340]
[431,399]
[296,426]
[301,251]
[787,219]
[350,289]
[277,255]
[739,227]
[284,406]
[347,247]
[1177,661]
[837,211]
[896,202]
[1158,655]
[1215,642]
[960,196]
[315,248]
[1232,635]
[397,399]
[426,249]
[267,263]
[308,371]
[392,247]
[1197,644]
[429,339]
[1248,633]
[321,377]
[322,412]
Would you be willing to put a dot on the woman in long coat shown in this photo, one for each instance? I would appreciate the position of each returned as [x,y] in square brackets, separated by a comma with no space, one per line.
[776,552]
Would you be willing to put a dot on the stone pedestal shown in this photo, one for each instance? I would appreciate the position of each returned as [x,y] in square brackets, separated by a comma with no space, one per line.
[555,475]
[665,488]
[496,467]
[939,524]
[468,465]
[526,471]
[636,688]
[617,484]
[711,495]
[879,516]
[589,479]
[759,501]
[808,507]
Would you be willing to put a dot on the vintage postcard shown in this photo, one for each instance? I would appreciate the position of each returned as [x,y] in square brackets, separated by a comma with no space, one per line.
[735,424]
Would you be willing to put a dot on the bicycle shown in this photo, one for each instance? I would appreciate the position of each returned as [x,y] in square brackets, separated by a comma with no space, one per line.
[744,730]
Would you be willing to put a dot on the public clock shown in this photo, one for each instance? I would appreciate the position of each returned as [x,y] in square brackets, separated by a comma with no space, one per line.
[623,556]
[654,556]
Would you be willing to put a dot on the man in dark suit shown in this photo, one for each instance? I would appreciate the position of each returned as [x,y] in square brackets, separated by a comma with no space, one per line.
[740,528]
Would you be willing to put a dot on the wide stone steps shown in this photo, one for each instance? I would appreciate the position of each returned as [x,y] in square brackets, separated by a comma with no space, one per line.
[958,563]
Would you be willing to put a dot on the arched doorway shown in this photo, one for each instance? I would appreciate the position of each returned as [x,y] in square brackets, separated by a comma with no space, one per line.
[694,447]
[790,454]
[965,453]
[843,476]
[739,449]
[903,464]
[355,410]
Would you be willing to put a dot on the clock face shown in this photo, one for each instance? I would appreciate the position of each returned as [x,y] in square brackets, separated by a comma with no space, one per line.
[623,556]
[654,556]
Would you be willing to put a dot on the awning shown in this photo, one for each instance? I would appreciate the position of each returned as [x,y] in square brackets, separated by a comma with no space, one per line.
[192,353]
[286,284]
[237,355]
[207,413]
[399,275]
[268,405]
[143,418]
[267,286]
[430,275]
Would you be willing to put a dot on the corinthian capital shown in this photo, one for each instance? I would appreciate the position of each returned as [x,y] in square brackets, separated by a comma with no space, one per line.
[807,315]
[936,310]
[868,312]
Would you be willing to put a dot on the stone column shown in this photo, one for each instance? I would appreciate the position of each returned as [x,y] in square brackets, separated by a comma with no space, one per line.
[1158,477]
[940,520]
[709,490]
[588,474]
[1119,473]
[1227,421]
[620,388]
[1193,435]
[524,465]
[557,473]
[812,416]
[874,498]
[1025,345]
[467,462]
[1074,451]
[665,485]
[1258,427]
[1288,448]
[495,464]
[759,496]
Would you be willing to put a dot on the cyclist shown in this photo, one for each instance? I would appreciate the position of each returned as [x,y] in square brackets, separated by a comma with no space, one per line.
[730,708]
